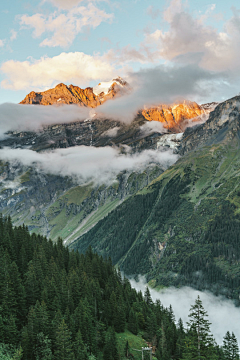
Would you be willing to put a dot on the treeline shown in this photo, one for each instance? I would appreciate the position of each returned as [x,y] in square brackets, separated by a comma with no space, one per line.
[62,305]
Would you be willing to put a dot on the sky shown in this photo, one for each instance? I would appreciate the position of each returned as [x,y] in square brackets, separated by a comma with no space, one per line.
[45,42]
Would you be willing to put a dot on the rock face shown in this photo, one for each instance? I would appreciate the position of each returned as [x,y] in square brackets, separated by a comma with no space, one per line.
[223,123]
[63,94]
[175,117]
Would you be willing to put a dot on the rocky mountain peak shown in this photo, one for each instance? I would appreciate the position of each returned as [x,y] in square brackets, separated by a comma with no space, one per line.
[175,117]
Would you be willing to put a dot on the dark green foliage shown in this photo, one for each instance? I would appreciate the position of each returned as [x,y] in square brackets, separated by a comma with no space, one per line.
[230,347]
[199,343]
[61,305]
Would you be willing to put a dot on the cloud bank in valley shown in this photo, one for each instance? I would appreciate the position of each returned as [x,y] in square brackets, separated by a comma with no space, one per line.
[87,163]
[222,313]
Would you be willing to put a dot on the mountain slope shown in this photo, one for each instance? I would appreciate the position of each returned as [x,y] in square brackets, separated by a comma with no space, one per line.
[187,224]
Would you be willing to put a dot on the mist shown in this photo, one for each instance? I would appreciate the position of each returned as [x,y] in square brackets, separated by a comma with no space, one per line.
[222,313]
[152,126]
[100,165]
[15,117]
[163,85]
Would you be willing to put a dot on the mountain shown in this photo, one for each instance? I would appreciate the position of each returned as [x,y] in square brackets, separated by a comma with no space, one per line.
[62,206]
[185,226]
[176,224]
[175,117]
[63,94]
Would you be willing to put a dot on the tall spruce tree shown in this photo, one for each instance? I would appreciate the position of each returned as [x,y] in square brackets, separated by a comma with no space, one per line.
[64,349]
[230,347]
[199,343]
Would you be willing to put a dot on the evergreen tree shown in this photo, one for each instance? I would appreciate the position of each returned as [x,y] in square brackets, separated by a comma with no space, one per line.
[133,322]
[110,351]
[230,347]
[43,347]
[64,349]
[147,297]
[200,343]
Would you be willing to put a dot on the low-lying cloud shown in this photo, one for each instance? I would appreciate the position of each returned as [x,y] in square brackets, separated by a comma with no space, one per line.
[152,126]
[88,164]
[222,313]
[14,117]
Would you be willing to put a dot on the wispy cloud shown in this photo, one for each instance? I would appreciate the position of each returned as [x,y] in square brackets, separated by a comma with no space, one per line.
[190,40]
[63,4]
[46,72]
[64,26]
[13,35]
[163,85]
[15,117]
[86,163]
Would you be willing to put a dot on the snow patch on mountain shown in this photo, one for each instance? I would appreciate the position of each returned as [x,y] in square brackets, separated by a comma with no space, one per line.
[105,87]
[170,140]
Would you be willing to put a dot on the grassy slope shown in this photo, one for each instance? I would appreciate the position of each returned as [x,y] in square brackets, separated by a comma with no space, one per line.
[135,342]
[187,198]
[55,206]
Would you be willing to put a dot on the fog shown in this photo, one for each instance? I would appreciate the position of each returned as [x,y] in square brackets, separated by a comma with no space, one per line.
[153,126]
[15,117]
[222,313]
[87,163]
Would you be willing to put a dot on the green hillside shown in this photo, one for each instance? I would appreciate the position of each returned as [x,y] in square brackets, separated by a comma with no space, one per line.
[183,229]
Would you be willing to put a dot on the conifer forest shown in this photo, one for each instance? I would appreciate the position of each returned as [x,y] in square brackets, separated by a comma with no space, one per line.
[57,304]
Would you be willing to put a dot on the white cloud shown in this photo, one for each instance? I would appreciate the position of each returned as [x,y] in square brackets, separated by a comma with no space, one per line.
[153,12]
[190,40]
[14,117]
[223,315]
[2,43]
[163,85]
[111,132]
[152,126]
[77,68]
[65,4]
[65,25]
[13,35]
[86,163]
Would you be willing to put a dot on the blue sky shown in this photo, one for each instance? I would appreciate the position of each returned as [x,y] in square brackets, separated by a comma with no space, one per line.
[83,42]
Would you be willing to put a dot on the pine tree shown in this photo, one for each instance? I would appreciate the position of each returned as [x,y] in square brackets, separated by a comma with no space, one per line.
[147,297]
[79,347]
[132,322]
[230,347]
[63,343]
[43,347]
[200,343]
[110,349]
